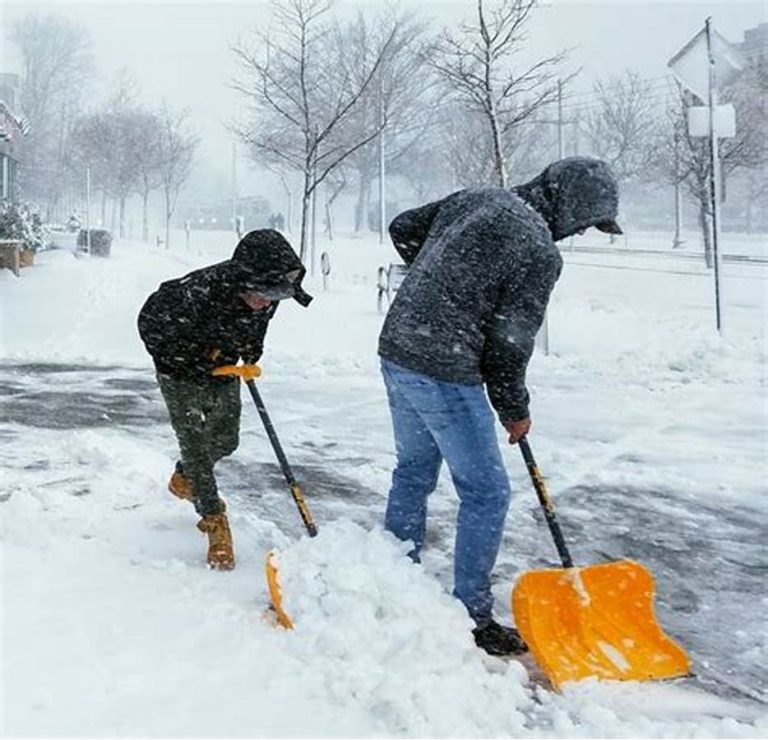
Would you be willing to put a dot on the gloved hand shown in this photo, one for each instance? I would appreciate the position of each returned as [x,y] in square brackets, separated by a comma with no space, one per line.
[244,372]
[517,429]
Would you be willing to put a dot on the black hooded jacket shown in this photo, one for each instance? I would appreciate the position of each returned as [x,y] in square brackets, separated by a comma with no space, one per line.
[195,323]
[482,266]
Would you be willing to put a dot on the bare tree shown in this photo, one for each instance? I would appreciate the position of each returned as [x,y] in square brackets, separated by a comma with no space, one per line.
[125,120]
[620,129]
[90,146]
[176,148]
[477,67]
[396,101]
[303,92]
[686,159]
[335,183]
[469,151]
[147,153]
[56,63]
[749,95]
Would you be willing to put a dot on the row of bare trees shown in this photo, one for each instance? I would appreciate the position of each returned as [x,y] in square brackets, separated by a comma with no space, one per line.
[321,92]
[56,68]
[643,134]
[128,149]
[131,150]
[464,107]
[331,101]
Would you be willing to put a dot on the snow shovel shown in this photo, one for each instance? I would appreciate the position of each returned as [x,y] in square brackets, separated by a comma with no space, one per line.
[248,373]
[595,621]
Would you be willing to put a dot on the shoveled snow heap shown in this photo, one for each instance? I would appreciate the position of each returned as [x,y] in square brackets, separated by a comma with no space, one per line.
[389,660]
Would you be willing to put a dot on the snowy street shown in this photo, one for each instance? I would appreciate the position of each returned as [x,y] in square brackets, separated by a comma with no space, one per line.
[650,429]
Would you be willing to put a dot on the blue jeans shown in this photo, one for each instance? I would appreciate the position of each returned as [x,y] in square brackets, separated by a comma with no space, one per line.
[435,420]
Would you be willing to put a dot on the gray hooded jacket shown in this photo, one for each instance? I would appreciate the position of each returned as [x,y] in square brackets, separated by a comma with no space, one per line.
[482,266]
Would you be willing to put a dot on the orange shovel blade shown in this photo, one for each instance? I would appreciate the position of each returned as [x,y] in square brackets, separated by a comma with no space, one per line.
[595,621]
[275,592]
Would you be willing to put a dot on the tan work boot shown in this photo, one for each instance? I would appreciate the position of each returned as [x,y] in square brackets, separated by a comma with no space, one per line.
[221,555]
[181,487]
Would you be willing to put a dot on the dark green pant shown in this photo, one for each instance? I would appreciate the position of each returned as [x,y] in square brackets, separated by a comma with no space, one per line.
[206,419]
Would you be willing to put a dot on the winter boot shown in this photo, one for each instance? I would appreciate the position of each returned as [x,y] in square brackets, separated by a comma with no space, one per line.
[221,556]
[496,639]
[181,487]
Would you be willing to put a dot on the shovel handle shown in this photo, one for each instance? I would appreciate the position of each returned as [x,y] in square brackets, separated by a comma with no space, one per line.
[546,503]
[296,493]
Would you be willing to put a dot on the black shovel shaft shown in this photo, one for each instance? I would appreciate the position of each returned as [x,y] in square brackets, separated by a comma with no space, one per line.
[298,497]
[546,503]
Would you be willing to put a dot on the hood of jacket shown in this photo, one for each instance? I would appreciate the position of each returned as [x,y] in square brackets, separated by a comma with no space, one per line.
[573,194]
[264,261]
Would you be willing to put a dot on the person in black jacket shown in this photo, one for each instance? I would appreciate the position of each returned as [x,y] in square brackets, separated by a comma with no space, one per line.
[190,326]
[482,266]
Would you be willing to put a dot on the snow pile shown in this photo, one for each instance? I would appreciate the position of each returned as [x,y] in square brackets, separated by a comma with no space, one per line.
[406,647]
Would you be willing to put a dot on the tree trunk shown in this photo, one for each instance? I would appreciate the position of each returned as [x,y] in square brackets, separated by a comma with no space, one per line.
[498,157]
[289,210]
[704,224]
[104,208]
[328,217]
[144,216]
[168,214]
[363,204]
[122,216]
[306,202]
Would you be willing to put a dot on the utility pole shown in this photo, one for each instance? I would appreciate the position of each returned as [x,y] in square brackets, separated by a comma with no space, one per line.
[313,234]
[234,186]
[576,135]
[678,240]
[382,172]
[87,211]
[703,63]
[560,133]
[714,175]
[560,155]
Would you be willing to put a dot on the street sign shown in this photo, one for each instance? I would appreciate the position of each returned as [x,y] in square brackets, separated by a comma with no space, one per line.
[724,123]
[703,66]
[690,65]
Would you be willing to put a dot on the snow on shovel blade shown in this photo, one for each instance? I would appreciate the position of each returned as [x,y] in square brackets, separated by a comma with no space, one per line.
[275,592]
[595,621]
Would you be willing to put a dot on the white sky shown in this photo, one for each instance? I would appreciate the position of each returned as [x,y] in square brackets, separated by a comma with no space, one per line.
[179,51]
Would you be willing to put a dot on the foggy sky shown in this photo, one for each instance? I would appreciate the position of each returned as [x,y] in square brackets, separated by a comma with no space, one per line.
[179,52]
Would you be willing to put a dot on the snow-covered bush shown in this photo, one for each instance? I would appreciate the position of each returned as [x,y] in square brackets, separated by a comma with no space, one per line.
[19,221]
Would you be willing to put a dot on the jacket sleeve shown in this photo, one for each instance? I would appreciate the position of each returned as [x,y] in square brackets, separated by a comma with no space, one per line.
[409,230]
[252,348]
[511,332]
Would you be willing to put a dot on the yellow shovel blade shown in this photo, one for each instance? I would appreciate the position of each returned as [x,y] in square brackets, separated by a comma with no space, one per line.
[275,592]
[595,621]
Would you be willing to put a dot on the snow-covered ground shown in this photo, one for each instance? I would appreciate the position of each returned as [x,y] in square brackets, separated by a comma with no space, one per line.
[652,430]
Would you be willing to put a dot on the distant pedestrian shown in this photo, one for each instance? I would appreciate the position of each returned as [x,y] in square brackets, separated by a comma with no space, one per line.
[74,224]
[190,326]
[482,266]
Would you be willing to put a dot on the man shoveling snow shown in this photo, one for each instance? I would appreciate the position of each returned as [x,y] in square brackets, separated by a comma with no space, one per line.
[482,266]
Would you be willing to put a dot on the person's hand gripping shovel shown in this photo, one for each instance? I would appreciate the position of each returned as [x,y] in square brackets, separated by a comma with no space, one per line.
[248,373]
